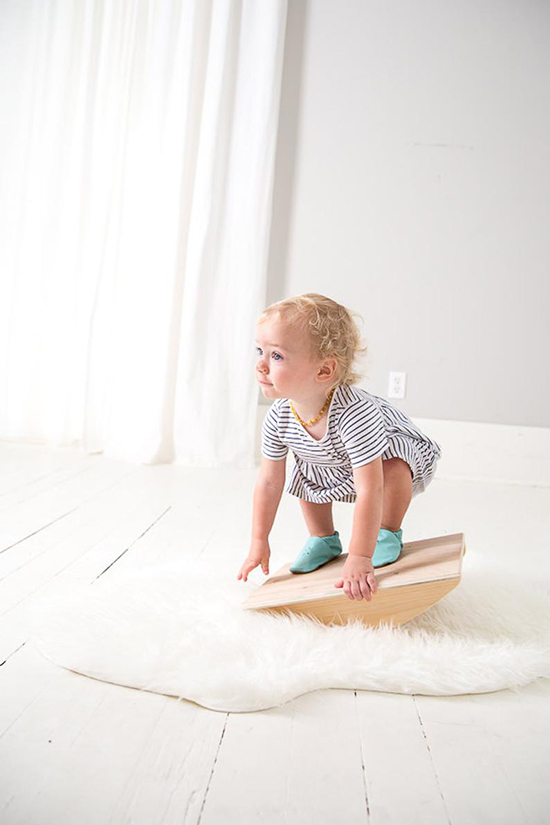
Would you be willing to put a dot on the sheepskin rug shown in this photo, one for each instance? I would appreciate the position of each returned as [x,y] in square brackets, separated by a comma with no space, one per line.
[172,629]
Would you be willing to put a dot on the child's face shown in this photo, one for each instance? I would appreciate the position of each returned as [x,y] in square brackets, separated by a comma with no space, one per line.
[284,367]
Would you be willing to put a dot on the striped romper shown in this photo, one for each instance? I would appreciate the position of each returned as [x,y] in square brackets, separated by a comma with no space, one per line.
[360,427]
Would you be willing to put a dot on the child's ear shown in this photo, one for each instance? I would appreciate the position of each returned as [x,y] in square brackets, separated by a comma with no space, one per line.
[329,367]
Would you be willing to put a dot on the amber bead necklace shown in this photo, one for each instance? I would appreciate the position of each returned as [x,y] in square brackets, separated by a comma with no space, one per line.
[317,417]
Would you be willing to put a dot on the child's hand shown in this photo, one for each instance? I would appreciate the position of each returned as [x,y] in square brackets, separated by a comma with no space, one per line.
[258,554]
[358,578]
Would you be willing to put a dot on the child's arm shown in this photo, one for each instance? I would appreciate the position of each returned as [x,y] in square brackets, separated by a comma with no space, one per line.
[367,518]
[368,481]
[358,578]
[267,495]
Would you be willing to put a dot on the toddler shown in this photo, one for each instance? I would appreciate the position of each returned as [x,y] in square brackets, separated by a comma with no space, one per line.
[348,445]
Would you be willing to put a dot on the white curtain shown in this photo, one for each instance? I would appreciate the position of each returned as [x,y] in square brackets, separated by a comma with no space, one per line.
[137,147]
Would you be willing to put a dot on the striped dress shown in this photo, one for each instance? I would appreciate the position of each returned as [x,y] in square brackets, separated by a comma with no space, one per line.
[360,427]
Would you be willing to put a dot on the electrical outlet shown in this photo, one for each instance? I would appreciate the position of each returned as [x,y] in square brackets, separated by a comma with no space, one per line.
[397,384]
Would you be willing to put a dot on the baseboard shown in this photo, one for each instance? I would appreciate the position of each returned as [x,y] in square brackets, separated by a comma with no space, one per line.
[494,453]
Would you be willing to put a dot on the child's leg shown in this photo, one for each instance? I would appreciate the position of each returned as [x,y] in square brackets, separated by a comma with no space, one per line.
[318,517]
[397,492]
[323,545]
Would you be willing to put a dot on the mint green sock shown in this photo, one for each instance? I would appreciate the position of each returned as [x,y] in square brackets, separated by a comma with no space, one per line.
[388,547]
[317,550]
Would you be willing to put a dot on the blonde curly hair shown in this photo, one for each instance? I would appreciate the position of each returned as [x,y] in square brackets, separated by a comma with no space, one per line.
[328,327]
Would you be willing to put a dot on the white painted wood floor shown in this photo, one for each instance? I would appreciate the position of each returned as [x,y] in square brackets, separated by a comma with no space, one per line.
[76,750]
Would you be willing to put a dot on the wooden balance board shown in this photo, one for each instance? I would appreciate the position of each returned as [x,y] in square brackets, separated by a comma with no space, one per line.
[423,574]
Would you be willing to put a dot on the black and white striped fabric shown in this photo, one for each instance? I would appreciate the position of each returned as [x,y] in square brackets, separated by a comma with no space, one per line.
[360,427]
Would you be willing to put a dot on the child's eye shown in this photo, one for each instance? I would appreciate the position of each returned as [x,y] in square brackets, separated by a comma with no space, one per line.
[258,350]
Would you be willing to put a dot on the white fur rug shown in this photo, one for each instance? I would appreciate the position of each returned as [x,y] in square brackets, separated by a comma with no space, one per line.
[169,629]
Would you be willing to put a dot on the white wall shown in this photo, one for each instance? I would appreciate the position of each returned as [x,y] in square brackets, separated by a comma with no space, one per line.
[412,185]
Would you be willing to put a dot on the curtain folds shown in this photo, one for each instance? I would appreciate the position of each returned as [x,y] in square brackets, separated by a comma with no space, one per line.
[138,147]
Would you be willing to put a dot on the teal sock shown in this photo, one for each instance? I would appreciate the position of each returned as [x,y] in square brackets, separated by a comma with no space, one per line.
[388,547]
[317,550]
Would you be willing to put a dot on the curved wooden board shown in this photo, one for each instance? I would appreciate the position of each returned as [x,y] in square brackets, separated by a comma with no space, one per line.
[392,606]
[425,572]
